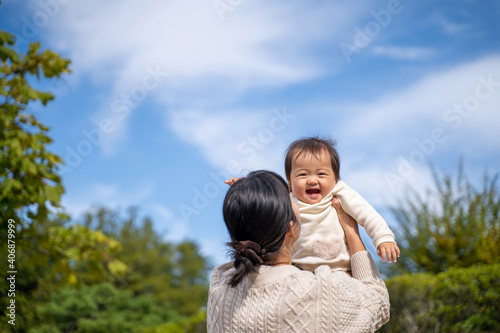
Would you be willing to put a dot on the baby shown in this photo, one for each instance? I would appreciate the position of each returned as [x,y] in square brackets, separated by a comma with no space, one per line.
[312,171]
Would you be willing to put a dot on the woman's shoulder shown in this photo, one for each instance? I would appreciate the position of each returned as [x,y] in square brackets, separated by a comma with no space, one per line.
[223,267]
[266,275]
[289,275]
[222,270]
[280,275]
[220,276]
[263,275]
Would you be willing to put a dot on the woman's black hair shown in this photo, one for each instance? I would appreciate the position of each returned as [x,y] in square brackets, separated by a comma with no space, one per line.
[257,211]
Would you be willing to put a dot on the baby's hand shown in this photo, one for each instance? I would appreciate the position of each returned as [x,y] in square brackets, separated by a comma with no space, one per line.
[389,249]
[231,181]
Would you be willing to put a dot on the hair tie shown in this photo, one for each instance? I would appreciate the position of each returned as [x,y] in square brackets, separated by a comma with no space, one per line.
[251,250]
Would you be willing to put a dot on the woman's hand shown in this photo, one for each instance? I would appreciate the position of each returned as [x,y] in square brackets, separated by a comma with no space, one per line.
[350,228]
[346,220]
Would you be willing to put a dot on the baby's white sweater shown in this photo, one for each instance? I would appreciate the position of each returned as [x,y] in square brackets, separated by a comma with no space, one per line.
[322,239]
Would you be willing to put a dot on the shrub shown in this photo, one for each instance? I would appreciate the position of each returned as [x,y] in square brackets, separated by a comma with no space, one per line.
[459,300]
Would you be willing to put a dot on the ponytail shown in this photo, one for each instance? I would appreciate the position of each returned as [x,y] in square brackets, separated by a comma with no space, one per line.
[247,256]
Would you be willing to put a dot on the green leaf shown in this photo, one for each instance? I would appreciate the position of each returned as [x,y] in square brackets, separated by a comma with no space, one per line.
[117,267]
[8,53]
[7,37]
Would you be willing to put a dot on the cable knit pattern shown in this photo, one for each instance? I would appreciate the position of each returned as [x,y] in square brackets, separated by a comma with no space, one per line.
[322,239]
[286,299]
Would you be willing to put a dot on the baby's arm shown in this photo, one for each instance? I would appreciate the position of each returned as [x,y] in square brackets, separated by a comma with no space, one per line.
[376,227]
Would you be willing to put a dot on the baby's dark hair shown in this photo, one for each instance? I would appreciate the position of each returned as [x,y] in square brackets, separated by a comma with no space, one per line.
[313,146]
[257,211]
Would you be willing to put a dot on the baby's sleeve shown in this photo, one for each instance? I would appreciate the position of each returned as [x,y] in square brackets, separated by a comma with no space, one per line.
[361,211]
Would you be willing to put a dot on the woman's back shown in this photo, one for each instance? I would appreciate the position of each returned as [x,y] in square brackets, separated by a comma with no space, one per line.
[286,299]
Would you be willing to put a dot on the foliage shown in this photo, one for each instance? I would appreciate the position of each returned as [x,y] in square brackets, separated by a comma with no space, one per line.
[99,308]
[106,275]
[43,268]
[78,245]
[453,225]
[46,250]
[196,323]
[175,273]
[28,172]
[156,274]
[459,300]
[28,177]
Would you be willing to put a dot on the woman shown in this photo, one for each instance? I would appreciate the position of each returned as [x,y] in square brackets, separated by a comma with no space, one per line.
[262,292]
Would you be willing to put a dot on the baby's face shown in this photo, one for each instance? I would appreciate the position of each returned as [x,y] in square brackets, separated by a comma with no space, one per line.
[312,178]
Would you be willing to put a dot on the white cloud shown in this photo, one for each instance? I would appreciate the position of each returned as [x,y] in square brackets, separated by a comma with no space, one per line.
[449,27]
[383,183]
[176,232]
[406,53]
[383,132]
[393,134]
[163,212]
[214,249]
[188,39]
[210,62]
[247,140]
[110,195]
[407,113]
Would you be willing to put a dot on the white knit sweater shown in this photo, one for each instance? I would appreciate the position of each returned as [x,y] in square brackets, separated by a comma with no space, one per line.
[280,299]
[322,239]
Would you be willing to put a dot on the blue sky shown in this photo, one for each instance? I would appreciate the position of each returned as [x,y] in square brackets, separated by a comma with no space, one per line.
[167,98]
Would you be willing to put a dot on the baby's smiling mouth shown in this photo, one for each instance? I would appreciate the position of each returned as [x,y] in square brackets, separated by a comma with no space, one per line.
[313,192]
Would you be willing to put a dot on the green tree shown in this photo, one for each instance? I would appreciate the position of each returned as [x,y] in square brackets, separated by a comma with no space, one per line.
[100,308]
[196,323]
[28,171]
[175,273]
[30,191]
[52,253]
[453,225]
[29,182]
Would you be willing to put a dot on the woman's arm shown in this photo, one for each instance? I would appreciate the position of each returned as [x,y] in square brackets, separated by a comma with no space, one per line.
[373,295]
[350,228]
